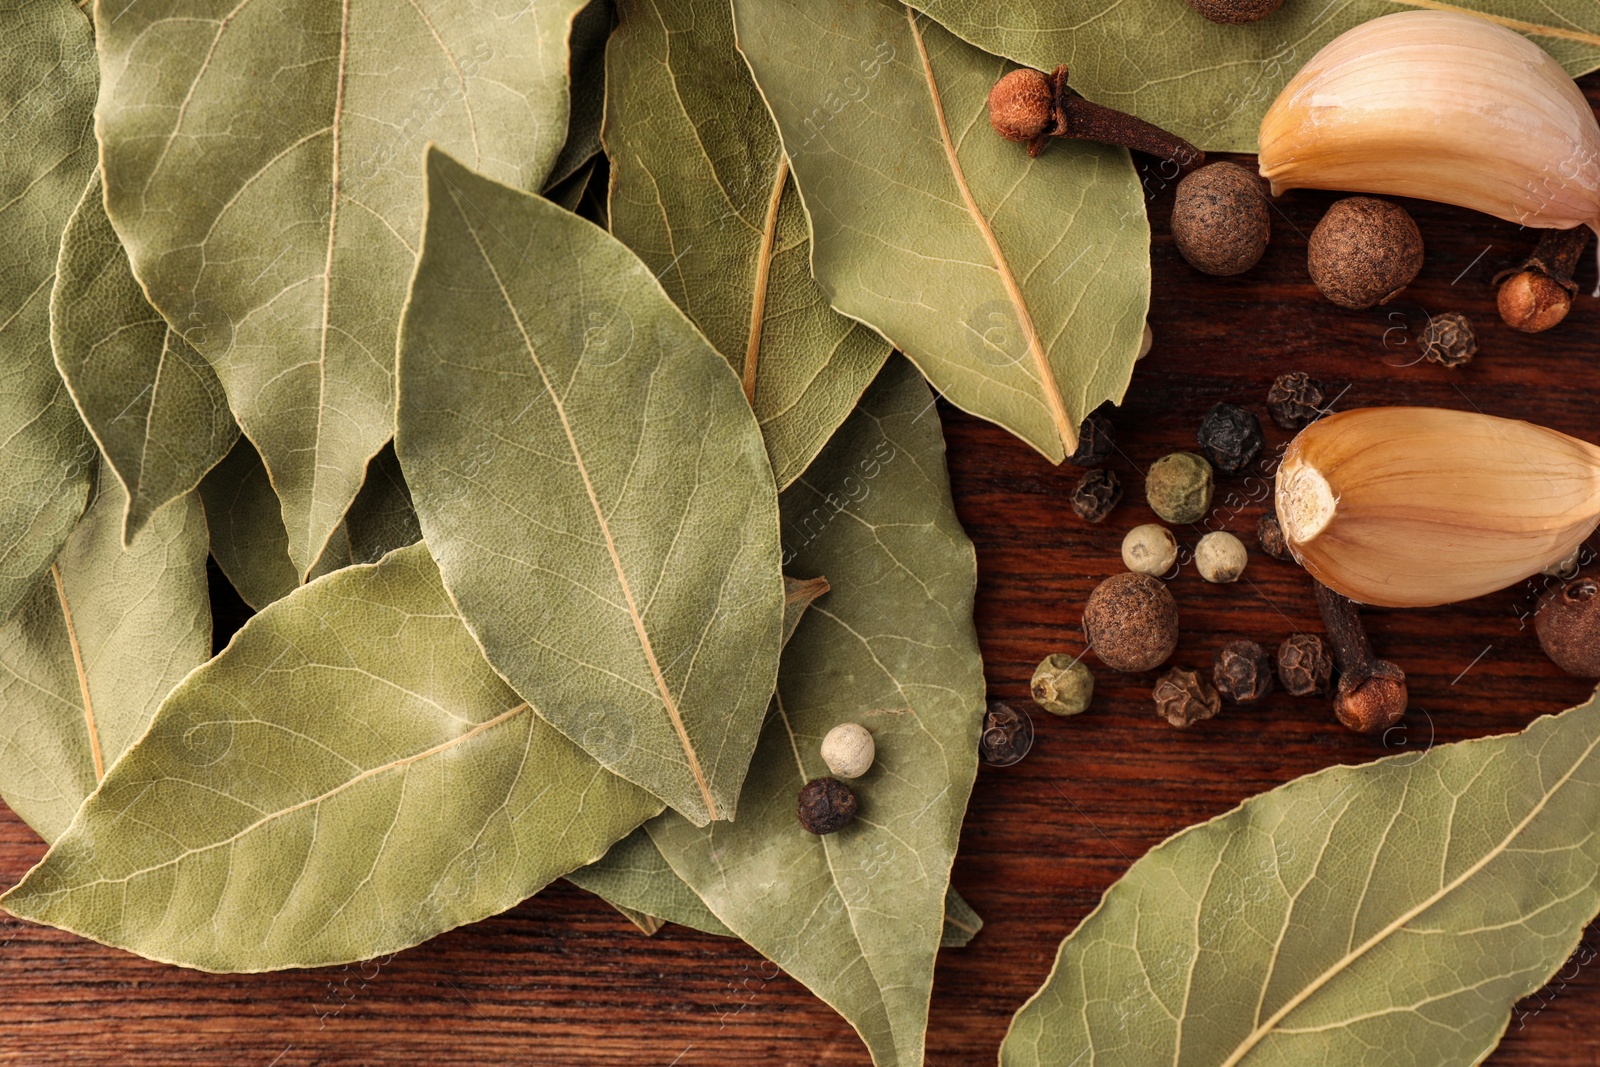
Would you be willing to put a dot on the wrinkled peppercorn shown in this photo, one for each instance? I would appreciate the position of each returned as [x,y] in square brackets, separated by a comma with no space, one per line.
[1095,439]
[1304,665]
[1242,672]
[1270,535]
[1097,492]
[1183,698]
[1449,339]
[1568,625]
[1296,400]
[1007,735]
[826,805]
[1230,437]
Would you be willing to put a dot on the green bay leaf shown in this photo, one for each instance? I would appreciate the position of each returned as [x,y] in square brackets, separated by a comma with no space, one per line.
[303,122]
[1211,83]
[153,403]
[858,916]
[48,82]
[1401,906]
[701,191]
[347,778]
[108,632]
[1018,286]
[594,487]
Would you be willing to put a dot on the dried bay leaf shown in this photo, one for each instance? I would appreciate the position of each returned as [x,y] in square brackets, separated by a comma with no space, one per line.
[1018,286]
[1401,906]
[303,123]
[106,635]
[48,83]
[858,916]
[1210,83]
[798,595]
[347,778]
[594,488]
[701,191]
[590,29]
[153,403]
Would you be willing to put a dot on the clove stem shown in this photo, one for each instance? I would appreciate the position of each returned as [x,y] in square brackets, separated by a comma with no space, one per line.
[1372,692]
[1538,294]
[1085,120]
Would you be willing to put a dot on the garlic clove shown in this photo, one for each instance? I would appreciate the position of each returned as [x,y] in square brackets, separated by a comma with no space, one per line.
[1413,507]
[1429,104]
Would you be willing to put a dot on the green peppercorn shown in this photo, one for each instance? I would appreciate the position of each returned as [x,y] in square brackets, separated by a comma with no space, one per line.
[1178,487]
[1062,685]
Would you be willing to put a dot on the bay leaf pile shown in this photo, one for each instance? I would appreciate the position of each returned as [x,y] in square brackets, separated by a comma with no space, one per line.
[552,378]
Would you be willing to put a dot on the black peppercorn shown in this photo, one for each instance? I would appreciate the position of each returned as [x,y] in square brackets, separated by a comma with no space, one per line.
[1007,735]
[1131,621]
[1270,534]
[1183,698]
[1242,672]
[826,805]
[1230,437]
[1450,339]
[1568,625]
[1304,665]
[1098,491]
[1095,440]
[1296,400]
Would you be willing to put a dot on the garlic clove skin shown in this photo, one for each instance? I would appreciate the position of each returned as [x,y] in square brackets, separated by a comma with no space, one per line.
[1414,507]
[1443,106]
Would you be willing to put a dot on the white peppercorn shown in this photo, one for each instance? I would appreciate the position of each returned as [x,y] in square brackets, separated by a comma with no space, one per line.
[1149,549]
[848,750]
[1220,557]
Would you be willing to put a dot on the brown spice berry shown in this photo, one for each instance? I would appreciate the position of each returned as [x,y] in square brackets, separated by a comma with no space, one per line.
[1007,735]
[826,805]
[1220,220]
[1183,697]
[1096,441]
[1533,302]
[1568,625]
[1304,665]
[1296,400]
[1364,251]
[1242,672]
[1449,339]
[1131,622]
[1270,534]
[1235,12]
[1097,492]
[1022,105]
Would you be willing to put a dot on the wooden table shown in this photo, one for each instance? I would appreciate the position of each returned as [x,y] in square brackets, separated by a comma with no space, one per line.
[563,979]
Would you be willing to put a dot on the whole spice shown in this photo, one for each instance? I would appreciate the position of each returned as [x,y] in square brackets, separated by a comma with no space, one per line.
[1031,106]
[1269,535]
[1178,487]
[826,806]
[1449,339]
[1062,685]
[1364,251]
[1096,493]
[1413,507]
[848,750]
[1568,625]
[1220,557]
[1235,12]
[1538,294]
[1149,549]
[1183,697]
[1131,622]
[1296,400]
[1220,220]
[1095,439]
[1372,692]
[1230,437]
[1007,735]
[1304,666]
[1242,672]
[1420,104]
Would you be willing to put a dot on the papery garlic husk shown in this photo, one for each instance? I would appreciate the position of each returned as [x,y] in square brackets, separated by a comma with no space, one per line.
[1412,507]
[1444,106]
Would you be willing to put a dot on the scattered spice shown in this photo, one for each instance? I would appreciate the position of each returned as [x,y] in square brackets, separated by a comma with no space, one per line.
[826,806]
[1568,625]
[1178,487]
[1449,340]
[1031,106]
[1220,557]
[1183,697]
[1007,735]
[1235,12]
[1269,535]
[1538,294]
[1062,685]
[848,750]
[1220,220]
[1149,549]
[1372,692]
[1296,400]
[1230,436]
[1097,492]
[1095,439]
[1304,666]
[1242,672]
[1131,622]
[1364,251]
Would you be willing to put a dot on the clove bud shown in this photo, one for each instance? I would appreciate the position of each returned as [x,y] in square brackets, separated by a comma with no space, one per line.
[1030,106]
[1538,294]
[1372,692]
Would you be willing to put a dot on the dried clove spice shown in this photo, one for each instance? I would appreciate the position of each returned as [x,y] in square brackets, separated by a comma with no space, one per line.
[1538,294]
[1372,692]
[1031,106]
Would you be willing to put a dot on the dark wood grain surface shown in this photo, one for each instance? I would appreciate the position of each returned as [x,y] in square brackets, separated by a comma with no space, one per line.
[563,979]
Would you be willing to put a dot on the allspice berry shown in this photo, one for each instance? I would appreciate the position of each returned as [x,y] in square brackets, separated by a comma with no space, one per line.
[1178,487]
[1364,251]
[1131,622]
[1062,685]
[1235,12]
[1304,665]
[1242,672]
[1220,222]
[1022,105]
[1568,625]
[1449,340]
[826,806]
[1183,697]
